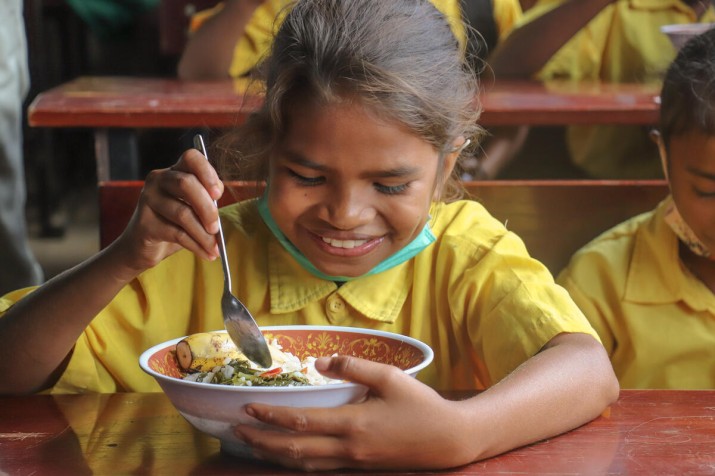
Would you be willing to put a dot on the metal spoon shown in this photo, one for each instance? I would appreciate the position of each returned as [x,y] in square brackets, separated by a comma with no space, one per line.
[236,318]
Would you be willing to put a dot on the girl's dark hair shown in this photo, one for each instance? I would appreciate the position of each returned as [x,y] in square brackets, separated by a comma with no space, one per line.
[399,58]
[687,99]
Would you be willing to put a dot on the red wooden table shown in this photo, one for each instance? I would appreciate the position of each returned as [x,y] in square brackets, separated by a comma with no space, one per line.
[152,102]
[645,432]
[113,105]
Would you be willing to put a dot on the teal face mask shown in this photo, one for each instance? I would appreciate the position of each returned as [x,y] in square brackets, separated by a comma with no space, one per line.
[421,241]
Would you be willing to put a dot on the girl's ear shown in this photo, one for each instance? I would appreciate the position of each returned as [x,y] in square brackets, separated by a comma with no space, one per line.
[658,139]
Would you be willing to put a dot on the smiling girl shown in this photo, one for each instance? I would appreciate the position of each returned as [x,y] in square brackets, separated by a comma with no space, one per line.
[368,107]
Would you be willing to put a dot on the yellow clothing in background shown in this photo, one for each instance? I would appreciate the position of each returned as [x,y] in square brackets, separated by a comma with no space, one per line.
[655,318]
[622,44]
[507,14]
[475,296]
[259,32]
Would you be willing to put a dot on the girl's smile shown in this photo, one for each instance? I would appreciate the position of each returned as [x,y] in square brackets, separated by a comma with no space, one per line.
[349,188]
[347,247]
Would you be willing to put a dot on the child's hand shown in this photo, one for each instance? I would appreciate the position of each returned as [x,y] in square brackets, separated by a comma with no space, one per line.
[175,210]
[401,424]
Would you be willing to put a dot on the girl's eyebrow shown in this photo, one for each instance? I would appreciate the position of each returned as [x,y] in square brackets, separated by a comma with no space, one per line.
[402,171]
[298,159]
[701,173]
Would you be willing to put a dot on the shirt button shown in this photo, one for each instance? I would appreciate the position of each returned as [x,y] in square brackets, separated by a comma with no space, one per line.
[336,309]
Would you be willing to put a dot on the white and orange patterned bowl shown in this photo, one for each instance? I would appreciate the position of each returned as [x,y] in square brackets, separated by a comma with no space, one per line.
[215,409]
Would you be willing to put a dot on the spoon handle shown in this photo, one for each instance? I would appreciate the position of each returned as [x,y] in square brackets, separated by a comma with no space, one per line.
[201,146]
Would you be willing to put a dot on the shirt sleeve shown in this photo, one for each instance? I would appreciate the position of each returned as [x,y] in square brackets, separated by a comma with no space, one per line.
[591,310]
[512,306]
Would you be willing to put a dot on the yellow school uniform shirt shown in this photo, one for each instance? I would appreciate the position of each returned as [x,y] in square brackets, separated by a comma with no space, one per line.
[257,39]
[622,44]
[475,296]
[655,318]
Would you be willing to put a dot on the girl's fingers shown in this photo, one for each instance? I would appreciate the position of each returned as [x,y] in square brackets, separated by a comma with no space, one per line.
[171,186]
[309,453]
[327,421]
[181,224]
[378,377]
[193,162]
[158,237]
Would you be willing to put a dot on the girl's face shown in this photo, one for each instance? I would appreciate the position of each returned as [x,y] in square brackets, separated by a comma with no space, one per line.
[691,175]
[349,189]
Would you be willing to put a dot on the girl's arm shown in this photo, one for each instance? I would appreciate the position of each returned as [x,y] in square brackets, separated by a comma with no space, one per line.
[38,332]
[570,382]
[209,52]
[403,424]
[530,46]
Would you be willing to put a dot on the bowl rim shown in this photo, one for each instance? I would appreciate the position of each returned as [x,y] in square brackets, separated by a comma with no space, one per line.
[144,360]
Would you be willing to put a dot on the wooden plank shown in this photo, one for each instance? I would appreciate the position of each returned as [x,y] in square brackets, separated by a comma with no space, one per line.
[556,217]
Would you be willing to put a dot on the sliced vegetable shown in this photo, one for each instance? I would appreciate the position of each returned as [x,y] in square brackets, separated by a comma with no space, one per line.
[203,351]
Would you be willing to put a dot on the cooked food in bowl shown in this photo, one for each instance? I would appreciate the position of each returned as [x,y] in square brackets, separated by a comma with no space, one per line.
[216,409]
[212,357]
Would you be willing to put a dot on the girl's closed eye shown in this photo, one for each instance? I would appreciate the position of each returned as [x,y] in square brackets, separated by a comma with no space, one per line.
[392,189]
[303,180]
[709,193]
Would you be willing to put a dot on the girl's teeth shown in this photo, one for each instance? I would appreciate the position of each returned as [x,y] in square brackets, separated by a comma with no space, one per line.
[344,243]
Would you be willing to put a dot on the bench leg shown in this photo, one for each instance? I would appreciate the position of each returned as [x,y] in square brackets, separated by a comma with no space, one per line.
[117,154]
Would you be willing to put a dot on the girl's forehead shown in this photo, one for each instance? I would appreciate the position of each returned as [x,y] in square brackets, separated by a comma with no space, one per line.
[339,104]
[693,150]
[347,119]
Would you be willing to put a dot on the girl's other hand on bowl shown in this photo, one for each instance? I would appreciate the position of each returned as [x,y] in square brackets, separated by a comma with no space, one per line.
[390,429]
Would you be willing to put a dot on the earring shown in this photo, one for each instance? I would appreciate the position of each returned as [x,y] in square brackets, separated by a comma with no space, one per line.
[461,147]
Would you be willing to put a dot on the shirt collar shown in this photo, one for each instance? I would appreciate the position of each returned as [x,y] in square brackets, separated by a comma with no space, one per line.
[379,297]
[652,278]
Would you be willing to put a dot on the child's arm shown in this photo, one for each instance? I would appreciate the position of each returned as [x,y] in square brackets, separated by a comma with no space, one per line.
[530,46]
[209,52]
[175,210]
[405,424]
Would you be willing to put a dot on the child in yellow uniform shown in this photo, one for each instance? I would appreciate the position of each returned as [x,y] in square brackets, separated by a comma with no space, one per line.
[230,39]
[368,107]
[616,41]
[647,285]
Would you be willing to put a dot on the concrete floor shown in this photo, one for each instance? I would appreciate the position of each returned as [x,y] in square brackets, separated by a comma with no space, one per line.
[80,215]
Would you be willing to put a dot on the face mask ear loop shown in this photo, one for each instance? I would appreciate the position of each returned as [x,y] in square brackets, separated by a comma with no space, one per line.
[658,139]
[460,149]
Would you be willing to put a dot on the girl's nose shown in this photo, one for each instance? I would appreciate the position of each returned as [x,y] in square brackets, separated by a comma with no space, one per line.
[348,208]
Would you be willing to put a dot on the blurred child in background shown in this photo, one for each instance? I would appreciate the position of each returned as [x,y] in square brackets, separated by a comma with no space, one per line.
[648,285]
[230,40]
[614,41]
